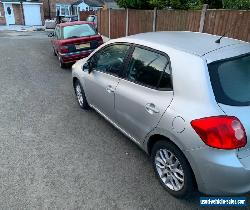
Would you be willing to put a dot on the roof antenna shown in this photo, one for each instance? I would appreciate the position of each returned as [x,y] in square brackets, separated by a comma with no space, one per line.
[218,40]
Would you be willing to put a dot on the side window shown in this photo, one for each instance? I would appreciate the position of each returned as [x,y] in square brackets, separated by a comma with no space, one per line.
[150,69]
[110,59]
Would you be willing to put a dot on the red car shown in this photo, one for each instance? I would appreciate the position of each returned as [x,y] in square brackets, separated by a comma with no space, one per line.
[74,41]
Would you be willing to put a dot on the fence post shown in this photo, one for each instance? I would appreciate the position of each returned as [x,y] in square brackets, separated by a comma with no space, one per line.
[203,17]
[127,22]
[109,25]
[154,19]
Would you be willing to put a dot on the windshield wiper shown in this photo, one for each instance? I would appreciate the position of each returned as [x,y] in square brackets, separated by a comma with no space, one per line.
[73,37]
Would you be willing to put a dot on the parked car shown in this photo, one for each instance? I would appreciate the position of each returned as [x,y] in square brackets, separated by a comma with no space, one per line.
[92,19]
[70,18]
[74,40]
[183,97]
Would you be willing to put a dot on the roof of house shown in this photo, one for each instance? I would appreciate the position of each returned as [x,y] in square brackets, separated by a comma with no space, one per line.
[94,3]
[190,42]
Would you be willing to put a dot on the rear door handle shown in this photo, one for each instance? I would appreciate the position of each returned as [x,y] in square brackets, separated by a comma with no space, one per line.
[151,108]
[110,89]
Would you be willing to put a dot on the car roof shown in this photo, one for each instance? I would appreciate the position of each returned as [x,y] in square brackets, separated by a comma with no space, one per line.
[74,23]
[191,42]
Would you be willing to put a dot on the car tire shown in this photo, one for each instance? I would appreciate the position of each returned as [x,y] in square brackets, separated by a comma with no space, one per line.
[174,174]
[61,63]
[80,95]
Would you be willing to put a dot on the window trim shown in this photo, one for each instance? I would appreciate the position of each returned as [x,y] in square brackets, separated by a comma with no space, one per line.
[124,61]
[126,68]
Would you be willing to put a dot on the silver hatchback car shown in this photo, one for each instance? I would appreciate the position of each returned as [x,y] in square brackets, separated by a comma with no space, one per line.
[184,98]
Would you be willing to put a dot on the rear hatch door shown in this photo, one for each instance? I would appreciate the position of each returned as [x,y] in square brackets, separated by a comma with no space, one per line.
[82,43]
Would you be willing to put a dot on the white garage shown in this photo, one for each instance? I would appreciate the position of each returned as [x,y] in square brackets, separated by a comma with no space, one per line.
[32,14]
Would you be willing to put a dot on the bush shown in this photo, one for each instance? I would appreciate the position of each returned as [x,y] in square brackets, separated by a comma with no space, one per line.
[236,4]
[184,4]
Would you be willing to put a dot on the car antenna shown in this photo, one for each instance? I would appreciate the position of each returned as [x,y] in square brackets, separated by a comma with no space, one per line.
[218,40]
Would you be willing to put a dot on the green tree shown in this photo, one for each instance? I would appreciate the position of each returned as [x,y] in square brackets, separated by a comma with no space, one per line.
[236,4]
[134,4]
[158,3]
[184,4]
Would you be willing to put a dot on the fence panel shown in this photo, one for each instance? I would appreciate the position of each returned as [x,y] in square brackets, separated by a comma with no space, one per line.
[104,22]
[140,21]
[117,23]
[235,23]
[173,20]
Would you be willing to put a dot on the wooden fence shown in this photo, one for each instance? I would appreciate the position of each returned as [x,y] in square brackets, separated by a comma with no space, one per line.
[123,22]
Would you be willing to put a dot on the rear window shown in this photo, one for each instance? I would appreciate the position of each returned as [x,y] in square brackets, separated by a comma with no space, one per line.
[76,31]
[231,81]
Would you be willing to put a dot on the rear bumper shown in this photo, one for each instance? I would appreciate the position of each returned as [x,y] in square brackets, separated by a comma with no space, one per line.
[74,56]
[220,172]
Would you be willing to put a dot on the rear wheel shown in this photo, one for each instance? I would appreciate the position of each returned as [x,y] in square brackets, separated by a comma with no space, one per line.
[172,169]
[81,98]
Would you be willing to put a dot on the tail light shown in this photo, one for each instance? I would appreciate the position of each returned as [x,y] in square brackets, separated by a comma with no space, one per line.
[64,49]
[222,132]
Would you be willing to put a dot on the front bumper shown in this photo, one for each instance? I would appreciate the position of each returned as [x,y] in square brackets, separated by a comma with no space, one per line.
[220,172]
[74,56]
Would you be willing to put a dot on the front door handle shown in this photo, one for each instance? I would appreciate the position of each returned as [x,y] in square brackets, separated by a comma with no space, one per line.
[110,89]
[151,108]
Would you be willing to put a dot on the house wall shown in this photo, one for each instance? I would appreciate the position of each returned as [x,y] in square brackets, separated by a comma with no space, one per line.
[2,16]
[18,14]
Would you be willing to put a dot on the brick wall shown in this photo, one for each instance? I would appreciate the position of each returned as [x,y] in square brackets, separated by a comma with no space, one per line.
[53,6]
[18,14]
[2,18]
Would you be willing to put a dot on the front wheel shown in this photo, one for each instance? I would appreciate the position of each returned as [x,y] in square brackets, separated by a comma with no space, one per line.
[172,169]
[81,98]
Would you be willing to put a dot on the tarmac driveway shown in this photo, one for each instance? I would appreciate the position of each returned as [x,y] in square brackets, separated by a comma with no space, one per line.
[53,155]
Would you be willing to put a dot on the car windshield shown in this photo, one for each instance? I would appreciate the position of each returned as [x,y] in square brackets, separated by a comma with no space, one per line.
[231,81]
[91,19]
[76,31]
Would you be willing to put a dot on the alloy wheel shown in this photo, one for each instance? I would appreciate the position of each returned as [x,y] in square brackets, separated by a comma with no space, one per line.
[79,94]
[169,169]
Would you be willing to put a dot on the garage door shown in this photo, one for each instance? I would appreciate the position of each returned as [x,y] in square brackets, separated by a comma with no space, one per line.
[32,14]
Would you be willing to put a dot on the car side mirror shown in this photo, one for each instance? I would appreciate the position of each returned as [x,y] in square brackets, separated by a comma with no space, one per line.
[90,66]
[51,34]
[85,66]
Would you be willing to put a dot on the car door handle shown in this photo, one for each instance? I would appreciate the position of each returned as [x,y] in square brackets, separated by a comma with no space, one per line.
[151,108]
[110,89]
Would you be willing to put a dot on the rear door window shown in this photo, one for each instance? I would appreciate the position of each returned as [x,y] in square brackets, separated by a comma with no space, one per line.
[150,69]
[231,81]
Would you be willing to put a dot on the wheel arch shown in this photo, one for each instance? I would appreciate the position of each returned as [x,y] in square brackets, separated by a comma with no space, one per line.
[159,137]
[74,80]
